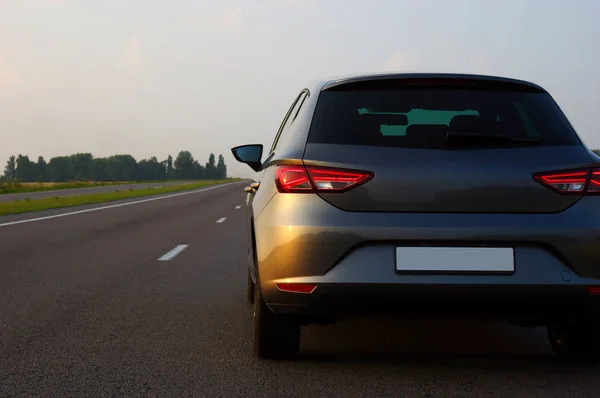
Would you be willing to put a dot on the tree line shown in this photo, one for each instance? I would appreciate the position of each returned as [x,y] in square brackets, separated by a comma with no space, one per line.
[85,167]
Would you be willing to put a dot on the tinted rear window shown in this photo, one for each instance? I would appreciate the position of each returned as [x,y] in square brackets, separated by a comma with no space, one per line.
[421,117]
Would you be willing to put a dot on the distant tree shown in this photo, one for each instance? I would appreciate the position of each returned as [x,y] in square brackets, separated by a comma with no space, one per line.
[159,170]
[82,165]
[151,169]
[144,170]
[19,170]
[184,165]
[60,169]
[221,168]
[122,168]
[10,171]
[25,169]
[596,151]
[100,170]
[199,171]
[170,166]
[211,168]
[41,169]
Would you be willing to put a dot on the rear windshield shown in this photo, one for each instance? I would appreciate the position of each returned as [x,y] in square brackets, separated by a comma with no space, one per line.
[422,117]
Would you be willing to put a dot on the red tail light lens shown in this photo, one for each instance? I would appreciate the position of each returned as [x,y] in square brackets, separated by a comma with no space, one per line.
[292,179]
[305,288]
[336,180]
[594,289]
[594,184]
[300,179]
[578,182]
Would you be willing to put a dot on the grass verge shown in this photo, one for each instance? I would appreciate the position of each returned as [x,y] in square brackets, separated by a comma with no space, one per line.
[27,187]
[29,205]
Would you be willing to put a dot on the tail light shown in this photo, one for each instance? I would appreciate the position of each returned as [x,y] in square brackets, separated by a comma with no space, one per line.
[305,288]
[578,182]
[594,289]
[300,179]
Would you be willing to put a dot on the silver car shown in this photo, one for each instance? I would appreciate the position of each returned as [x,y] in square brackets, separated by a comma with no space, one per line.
[424,194]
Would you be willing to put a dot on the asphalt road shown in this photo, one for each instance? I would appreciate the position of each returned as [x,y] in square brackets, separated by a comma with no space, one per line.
[85,191]
[86,309]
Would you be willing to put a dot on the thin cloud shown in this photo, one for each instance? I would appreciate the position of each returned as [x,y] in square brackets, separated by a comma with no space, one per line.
[296,4]
[9,76]
[133,54]
[233,20]
[401,62]
[28,3]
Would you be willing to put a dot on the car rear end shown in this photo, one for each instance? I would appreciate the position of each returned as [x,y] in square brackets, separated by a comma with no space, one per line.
[384,201]
[434,195]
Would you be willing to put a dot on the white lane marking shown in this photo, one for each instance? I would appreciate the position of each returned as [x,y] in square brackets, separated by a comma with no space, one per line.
[114,206]
[171,254]
[237,207]
[220,220]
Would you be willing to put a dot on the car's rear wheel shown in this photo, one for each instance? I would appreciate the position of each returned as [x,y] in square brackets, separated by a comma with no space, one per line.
[576,339]
[275,336]
[250,288]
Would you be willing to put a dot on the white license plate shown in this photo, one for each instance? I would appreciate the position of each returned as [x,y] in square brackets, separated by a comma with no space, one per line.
[455,259]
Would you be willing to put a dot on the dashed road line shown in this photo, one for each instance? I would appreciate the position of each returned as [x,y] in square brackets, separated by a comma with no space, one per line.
[237,207]
[220,220]
[171,254]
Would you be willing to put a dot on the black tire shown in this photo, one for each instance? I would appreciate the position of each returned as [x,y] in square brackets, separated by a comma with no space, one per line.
[275,336]
[578,339]
[250,288]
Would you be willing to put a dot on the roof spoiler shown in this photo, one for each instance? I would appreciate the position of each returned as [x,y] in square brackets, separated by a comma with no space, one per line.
[407,80]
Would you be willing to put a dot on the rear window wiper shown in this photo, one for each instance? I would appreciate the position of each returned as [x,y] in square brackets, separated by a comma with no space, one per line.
[453,136]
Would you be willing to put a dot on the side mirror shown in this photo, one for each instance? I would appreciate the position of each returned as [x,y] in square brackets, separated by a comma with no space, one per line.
[249,154]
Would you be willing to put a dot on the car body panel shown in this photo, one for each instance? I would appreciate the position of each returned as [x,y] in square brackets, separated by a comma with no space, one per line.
[302,235]
[472,181]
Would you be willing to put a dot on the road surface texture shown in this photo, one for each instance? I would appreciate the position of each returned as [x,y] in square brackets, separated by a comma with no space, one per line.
[88,309]
[9,197]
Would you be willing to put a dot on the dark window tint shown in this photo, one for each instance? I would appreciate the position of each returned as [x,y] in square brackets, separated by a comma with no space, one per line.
[421,118]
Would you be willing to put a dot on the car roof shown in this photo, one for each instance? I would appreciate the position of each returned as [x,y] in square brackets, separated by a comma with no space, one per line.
[324,84]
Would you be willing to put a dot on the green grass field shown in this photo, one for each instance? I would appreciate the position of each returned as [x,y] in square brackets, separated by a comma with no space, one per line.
[26,187]
[29,205]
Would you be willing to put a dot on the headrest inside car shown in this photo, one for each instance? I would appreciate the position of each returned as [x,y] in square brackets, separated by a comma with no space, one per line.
[465,123]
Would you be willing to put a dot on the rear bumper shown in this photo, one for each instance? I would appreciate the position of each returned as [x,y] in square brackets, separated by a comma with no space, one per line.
[351,258]
[366,282]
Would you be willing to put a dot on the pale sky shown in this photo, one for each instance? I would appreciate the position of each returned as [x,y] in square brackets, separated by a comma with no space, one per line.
[151,78]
